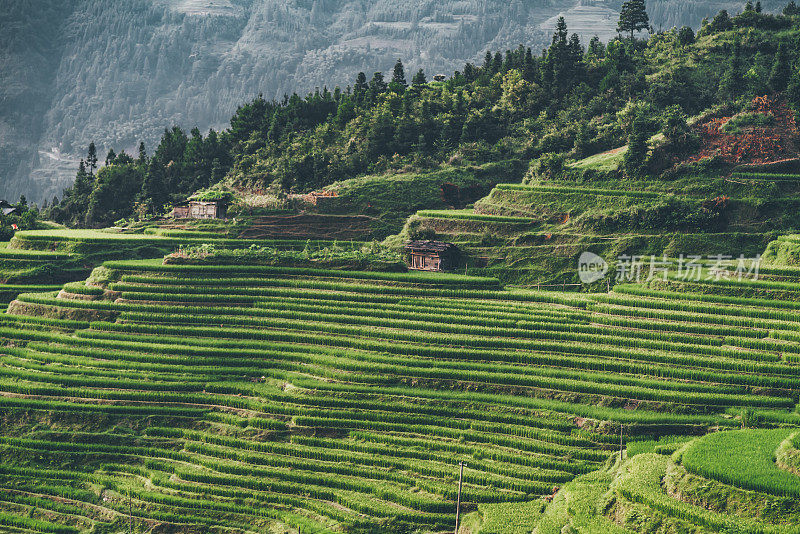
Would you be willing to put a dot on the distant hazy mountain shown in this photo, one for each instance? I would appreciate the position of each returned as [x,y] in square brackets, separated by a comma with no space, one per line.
[122,70]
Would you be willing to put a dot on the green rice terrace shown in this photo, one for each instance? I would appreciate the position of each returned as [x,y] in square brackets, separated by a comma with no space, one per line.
[532,234]
[213,396]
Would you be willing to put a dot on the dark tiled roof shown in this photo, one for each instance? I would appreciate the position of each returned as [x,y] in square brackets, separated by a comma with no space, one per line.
[430,246]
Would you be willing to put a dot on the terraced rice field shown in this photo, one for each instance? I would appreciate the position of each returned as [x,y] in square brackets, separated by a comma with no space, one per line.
[199,396]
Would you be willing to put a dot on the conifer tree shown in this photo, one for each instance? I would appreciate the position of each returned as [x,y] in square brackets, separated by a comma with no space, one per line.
[110,157]
[497,63]
[560,35]
[749,6]
[596,48]
[529,70]
[781,72]
[633,17]
[399,75]
[731,83]
[758,6]
[686,36]
[636,156]
[91,159]
[377,86]
[217,172]
[721,21]
[487,61]
[360,87]
[419,79]
[154,191]
[142,160]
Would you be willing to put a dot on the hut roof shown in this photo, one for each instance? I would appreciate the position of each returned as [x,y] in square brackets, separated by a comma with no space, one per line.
[430,246]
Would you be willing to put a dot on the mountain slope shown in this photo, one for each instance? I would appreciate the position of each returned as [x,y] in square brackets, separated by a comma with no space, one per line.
[121,72]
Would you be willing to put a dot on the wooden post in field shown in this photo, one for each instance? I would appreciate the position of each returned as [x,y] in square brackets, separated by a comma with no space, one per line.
[458,502]
[130,513]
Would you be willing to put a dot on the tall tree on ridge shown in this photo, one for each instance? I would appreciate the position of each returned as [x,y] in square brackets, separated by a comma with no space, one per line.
[142,160]
[399,77]
[419,79]
[91,159]
[633,17]
[360,87]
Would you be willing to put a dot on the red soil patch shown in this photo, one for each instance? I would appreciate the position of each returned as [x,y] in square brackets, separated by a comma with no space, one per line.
[755,144]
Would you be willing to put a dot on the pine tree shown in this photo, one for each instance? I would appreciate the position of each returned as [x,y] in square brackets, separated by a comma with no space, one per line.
[360,87]
[633,17]
[419,79]
[91,159]
[686,36]
[596,48]
[497,63]
[110,157]
[217,172]
[470,72]
[749,6]
[575,49]
[398,82]
[676,129]
[791,9]
[636,156]
[530,71]
[508,61]
[758,6]
[487,61]
[142,160]
[377,86]
[731,83]
[721,22]
[154,192]
[561,34]
[781,72]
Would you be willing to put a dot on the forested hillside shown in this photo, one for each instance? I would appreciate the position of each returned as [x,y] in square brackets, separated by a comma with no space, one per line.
[542,111]
[120,72]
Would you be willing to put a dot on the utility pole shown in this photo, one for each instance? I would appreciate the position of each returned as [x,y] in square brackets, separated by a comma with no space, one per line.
[458,502]
[130,513]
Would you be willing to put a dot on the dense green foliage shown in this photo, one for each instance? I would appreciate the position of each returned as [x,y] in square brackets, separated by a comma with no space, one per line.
[574,100]
[125,186]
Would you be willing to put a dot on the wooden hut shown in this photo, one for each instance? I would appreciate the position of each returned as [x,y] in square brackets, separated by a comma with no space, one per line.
[180,211]
[207,209]
[432,255]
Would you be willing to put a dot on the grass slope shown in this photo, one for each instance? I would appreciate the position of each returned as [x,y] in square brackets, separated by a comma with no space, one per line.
[745,459]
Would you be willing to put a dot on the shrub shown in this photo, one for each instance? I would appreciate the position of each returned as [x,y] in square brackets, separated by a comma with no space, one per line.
[746,120]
